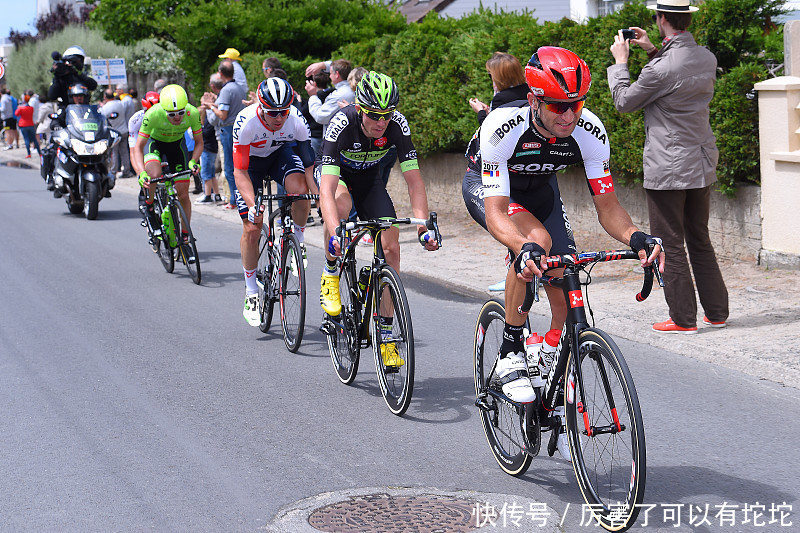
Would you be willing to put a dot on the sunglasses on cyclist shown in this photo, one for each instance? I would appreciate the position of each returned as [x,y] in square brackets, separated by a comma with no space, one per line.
[378,115]
[560,108]
[277,113]
[173,114]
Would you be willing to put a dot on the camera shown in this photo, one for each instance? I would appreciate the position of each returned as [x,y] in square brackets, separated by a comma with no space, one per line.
[628,34]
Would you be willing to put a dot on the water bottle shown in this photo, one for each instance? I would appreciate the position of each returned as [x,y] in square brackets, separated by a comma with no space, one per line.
[166,224]
[363,279]
[532,343]
[548,350]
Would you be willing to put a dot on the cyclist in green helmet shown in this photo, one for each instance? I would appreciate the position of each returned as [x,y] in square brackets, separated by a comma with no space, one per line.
[356,139]
[161,140]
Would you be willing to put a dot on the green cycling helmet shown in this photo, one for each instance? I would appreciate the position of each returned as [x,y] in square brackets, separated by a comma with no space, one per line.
[377,91]
[173,98]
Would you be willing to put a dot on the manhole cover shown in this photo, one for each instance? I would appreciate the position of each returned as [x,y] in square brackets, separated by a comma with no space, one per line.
[384,513]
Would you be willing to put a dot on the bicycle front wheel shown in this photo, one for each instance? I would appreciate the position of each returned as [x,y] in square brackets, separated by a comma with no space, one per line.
[162,248]
[502,420]
[266,279]
[393,342]
[606,431]
[343,340]
[187,249]
[292,292]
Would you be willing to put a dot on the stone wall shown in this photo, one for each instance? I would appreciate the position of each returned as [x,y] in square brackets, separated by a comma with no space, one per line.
[735,224]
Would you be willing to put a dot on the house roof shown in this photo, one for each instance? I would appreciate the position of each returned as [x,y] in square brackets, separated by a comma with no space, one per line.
[415,10]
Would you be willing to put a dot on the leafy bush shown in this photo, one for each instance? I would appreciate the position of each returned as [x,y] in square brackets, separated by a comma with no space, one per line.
[440,63]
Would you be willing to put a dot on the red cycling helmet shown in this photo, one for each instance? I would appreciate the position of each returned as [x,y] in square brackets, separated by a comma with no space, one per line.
[150,98]
[557,73]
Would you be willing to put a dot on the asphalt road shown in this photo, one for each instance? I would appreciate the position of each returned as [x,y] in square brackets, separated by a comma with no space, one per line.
[133,400]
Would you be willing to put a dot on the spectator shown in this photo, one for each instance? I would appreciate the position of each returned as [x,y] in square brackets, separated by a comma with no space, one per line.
[210,143]
[321,81]
[27,126]
[226,106]
[238,72]
[46,108]
[7,109]
[680,157]
[269,65]
[34,102]
[120,155]
[323,112]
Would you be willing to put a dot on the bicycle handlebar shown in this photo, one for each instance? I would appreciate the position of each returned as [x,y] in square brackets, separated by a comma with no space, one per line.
[579,262]
[289,198]
[170,177]
[431,223]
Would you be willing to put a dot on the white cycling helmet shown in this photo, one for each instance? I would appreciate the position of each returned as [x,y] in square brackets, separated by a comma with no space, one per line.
[75,56]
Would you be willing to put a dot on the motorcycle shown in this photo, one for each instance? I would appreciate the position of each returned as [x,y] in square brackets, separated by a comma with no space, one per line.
[83,147]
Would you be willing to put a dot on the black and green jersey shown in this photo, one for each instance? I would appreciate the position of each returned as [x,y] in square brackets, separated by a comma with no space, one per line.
[346,148]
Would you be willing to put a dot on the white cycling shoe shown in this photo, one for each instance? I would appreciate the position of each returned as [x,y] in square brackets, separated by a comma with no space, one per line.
[513,376]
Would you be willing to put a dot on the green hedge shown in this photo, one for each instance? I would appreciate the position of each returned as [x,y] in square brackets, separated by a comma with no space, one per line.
[440,62]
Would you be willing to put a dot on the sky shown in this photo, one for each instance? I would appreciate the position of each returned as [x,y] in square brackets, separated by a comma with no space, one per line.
[17,14]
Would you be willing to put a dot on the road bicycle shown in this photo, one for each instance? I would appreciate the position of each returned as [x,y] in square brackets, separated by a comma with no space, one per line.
[589,378]
[370,296]
[281,273]
[172,239]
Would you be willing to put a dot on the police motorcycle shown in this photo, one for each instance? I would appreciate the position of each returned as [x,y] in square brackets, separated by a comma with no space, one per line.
[82,149]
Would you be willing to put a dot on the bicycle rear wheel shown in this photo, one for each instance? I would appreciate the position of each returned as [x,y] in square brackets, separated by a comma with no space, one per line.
[266,279]
[606,433]
[292,292]
[502,420]
[394,354]
[343,341]
[187,250]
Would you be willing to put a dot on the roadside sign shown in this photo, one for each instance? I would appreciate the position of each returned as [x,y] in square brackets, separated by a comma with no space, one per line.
[109,71]
[2,71]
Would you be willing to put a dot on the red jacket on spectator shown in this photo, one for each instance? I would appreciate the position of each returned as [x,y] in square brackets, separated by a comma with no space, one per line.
[25,115]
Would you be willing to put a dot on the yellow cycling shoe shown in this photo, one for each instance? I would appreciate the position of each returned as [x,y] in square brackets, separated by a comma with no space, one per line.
[329,294]
[390,355]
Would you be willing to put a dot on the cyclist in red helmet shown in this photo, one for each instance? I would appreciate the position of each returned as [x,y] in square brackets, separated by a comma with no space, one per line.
[511,188]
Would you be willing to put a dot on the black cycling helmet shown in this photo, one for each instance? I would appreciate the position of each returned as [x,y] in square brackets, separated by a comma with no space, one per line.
[275,94]
[75,56]
[377,91]
[78,89]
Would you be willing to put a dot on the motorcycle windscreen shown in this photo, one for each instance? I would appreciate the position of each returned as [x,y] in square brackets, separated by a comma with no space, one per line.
[85,122]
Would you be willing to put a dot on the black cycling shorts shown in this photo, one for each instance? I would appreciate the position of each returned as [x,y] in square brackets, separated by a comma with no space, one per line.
[542,201]
[368,191]
[175,154]
[276,166]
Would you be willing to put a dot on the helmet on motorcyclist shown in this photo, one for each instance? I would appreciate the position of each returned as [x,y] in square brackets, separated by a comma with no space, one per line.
[150,98]
[275,94]
[74,55]
[173,98]
[78,94]
[558,74]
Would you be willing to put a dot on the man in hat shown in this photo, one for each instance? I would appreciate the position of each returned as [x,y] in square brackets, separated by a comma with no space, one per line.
[238,71]
[680,158]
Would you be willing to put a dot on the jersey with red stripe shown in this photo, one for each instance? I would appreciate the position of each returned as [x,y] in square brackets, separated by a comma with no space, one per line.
[515,155]
[252,137]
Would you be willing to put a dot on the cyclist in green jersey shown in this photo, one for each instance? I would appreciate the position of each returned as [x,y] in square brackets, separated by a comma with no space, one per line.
[161,140]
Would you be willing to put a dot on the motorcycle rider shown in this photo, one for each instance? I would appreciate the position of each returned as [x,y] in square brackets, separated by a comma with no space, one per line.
[67,72]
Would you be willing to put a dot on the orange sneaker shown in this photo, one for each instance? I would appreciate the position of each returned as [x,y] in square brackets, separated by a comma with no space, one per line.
[671,327]
[708,322]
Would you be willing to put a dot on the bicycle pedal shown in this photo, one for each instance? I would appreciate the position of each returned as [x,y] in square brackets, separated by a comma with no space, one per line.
[143,224]
[391,369]
[327,327]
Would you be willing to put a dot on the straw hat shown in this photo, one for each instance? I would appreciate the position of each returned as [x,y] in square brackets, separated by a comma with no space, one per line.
[231,53]
[674,6]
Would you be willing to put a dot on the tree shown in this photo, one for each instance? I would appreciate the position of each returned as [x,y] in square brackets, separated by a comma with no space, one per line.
[53,22]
